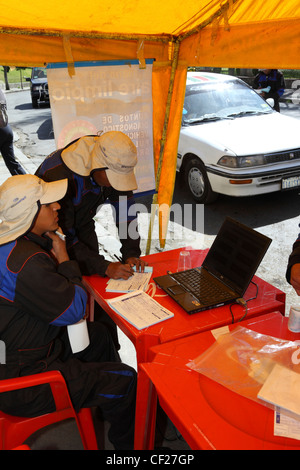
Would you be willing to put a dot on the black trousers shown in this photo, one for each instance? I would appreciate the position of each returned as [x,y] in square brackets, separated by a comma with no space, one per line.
[95,378]
[7,151]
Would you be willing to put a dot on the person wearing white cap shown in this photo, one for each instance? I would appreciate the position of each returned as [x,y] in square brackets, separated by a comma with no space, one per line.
[99,169]
[41,293]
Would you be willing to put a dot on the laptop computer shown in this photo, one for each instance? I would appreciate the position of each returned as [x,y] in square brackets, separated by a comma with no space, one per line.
[226,272]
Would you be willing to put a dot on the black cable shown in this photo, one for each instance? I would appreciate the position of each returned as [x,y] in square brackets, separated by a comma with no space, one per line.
[243,303]
[253,298]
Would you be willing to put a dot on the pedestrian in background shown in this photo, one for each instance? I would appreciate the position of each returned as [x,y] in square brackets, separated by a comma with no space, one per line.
[6,140]
[270,84]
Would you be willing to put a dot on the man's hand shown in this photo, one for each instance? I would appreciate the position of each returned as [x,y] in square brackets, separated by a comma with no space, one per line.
[295,277]
[138,263]
[59,249]
[119,271]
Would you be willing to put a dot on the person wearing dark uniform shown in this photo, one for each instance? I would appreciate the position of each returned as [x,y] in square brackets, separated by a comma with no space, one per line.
[270,84]
[99,169]
[7,145]
[41,293]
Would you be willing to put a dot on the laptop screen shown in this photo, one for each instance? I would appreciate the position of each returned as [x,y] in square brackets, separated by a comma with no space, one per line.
[236,254]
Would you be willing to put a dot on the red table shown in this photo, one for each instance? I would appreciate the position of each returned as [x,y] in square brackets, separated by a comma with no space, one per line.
[269,299]
[208,415]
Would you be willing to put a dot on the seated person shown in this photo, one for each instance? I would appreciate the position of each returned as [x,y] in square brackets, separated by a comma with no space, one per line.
[40,294]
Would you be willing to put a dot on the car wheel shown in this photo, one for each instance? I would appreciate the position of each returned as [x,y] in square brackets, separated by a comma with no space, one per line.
[34,102]
[197,182]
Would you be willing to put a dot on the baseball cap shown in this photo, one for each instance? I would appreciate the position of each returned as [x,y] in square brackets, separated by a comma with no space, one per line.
[20,199]
[113,151]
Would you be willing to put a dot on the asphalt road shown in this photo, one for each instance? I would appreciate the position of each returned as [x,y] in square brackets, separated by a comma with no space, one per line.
[33,126]
[277,215]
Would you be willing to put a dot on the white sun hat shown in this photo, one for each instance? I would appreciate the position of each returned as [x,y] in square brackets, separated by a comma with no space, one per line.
[113,151]
[20,199]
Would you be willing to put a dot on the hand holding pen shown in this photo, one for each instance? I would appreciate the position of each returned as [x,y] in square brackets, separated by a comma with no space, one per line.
[125,270]
[59,249]
[119,271]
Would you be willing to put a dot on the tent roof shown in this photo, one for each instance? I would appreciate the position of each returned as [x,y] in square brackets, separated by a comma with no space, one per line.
[230,33]
[126,18]
[138,17]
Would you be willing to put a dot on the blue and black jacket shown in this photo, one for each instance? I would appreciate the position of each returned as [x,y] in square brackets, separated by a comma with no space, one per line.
[78,209]
[31,317]
[275,81]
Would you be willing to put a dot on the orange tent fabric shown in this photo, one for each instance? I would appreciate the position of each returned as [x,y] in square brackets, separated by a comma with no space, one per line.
[214,33]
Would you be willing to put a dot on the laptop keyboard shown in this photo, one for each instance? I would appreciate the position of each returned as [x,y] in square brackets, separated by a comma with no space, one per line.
[202,288]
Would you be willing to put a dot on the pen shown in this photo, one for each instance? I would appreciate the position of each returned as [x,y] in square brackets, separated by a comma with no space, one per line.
[61,235]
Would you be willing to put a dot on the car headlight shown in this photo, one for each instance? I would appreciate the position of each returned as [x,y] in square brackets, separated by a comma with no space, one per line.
[37,87]
[230,162]
[242,162]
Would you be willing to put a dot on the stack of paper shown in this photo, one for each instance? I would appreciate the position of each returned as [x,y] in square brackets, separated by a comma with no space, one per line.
[138,281]
[282,388]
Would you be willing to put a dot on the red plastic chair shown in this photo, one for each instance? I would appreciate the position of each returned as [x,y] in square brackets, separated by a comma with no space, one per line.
[14,430]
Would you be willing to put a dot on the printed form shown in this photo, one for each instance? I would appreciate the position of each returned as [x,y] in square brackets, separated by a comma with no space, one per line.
[139,309]
[285,425]
[138,281]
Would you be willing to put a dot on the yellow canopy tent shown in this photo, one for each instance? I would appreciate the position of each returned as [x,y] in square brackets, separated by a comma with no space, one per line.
[176,34]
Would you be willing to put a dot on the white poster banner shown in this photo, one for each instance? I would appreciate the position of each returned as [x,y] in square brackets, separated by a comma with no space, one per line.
[102,97]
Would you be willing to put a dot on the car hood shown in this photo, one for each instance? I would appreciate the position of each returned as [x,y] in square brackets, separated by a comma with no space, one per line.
[249,135]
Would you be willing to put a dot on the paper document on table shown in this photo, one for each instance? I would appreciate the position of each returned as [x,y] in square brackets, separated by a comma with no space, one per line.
[286,426]
[139,309]
[138,281]
[282,389]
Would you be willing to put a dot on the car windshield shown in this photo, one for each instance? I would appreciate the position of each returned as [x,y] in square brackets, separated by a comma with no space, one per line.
[39,72]
[224,100]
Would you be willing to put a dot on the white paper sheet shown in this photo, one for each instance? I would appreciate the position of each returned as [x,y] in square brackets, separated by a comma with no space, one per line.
[139,281]
[139,309]
[285,425]
[282,388]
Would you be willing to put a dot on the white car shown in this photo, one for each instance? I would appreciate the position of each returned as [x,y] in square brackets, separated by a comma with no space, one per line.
[232,141]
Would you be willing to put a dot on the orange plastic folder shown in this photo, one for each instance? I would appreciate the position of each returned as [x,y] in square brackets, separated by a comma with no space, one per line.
[139,309]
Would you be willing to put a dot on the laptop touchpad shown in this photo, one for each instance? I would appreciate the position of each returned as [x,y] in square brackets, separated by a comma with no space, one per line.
[176,290]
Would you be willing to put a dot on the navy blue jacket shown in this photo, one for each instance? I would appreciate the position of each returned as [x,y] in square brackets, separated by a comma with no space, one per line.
[37,296]
[275,81]
[78,209]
